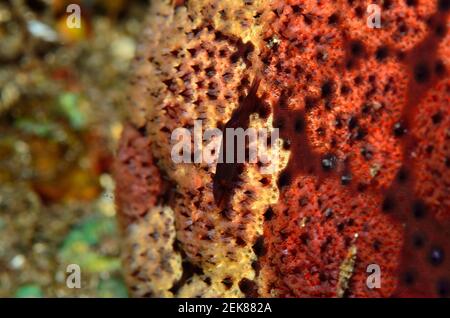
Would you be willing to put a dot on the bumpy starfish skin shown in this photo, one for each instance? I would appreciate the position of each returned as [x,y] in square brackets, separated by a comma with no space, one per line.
[363,175]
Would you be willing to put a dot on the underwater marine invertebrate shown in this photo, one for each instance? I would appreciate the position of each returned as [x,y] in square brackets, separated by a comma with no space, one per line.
[362,176]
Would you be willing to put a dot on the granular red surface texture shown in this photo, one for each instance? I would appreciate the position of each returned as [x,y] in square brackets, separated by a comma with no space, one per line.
[363,114]
[329,181]
[139,183]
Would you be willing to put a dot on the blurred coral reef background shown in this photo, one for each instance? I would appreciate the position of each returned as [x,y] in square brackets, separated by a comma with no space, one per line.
[62,97]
